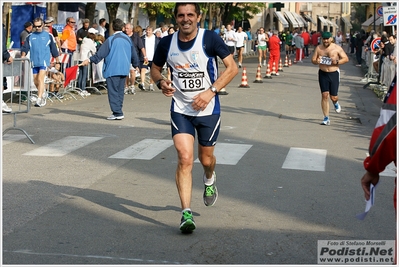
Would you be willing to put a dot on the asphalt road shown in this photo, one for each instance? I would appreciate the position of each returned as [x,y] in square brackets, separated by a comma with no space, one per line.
[87,207]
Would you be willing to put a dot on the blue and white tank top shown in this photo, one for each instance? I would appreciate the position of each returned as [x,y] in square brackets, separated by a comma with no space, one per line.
[193,72]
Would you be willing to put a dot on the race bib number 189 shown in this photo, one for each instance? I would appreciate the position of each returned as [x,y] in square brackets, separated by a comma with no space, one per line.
[191,81]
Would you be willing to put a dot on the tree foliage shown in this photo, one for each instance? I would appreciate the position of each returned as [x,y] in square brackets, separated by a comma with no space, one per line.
[225,13]
[154,9]
[89,11]
[112,9]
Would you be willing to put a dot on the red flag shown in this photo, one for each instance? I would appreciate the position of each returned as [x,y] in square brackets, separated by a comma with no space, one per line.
[70,74]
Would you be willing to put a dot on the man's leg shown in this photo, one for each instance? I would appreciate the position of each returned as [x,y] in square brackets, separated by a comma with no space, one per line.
[115,85]
[184,144]
[325,105]
[207,159]
[142,78]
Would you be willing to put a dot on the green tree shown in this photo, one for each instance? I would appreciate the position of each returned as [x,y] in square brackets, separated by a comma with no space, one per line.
[358,16]
[155,9]
[90,8]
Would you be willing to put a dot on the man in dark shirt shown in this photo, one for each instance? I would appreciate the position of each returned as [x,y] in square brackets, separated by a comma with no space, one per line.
[82,32]
[27,30]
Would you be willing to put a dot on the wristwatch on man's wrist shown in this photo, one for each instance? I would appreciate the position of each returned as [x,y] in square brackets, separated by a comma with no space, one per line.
[158,83]
[213,89]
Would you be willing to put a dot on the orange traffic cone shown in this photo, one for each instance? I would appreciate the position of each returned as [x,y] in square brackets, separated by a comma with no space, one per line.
[294,60]
[289,62]
[223,90]
[286,61]
[258,76]
[268,75]
[280,65]
[274,69]
[244,79]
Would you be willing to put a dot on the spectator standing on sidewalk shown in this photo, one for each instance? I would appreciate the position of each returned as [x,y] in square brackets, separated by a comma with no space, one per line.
[195,105]
[87,49]
[118,53]
[41,46]
[138,45]
[306,42]
[82,32]
[101,27]
[7,59]
[359,42]
[49,23]
[68,38]
[329,56]
[25,32]
[299,44]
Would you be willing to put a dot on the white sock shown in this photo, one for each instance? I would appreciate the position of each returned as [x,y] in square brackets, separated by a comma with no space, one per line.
[187,209]
[209,181]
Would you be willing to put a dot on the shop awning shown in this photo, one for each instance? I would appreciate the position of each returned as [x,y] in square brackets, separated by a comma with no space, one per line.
[329,23]
[281,18]
[300,19]
[292,19]
[370,21]
[309,18]
[347,22]
[323,21]
[334,24]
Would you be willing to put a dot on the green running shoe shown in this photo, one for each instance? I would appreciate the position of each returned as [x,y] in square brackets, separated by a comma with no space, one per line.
[210,193]
[187,224]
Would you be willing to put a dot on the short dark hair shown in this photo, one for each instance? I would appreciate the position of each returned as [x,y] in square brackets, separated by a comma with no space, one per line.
[27,24]
[101,20]
[117,25]
[196,5]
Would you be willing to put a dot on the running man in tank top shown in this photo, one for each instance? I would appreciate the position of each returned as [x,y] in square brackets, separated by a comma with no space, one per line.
[329,56]
[192,55]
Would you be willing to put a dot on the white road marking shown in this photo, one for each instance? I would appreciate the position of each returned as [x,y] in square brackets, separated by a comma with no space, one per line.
[11,138]
[146,149]
[229,154]
[305,159]
[63,146]
[389,171]
[99,257]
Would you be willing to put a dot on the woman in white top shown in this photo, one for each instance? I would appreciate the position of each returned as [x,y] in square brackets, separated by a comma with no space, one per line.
[263,38]
[241,37]
[87,49]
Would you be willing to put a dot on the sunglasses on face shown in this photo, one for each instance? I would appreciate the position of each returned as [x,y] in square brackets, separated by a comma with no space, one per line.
[37,26]
[72,22]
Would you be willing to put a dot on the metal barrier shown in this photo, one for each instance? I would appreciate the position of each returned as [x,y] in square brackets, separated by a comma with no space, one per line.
[19,72]
[248,48]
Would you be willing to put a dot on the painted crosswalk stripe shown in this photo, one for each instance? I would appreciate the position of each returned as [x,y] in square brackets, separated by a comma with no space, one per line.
[11,138]
[63,146]
[229,154]
[146,149]
[390,170]
[305,159]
